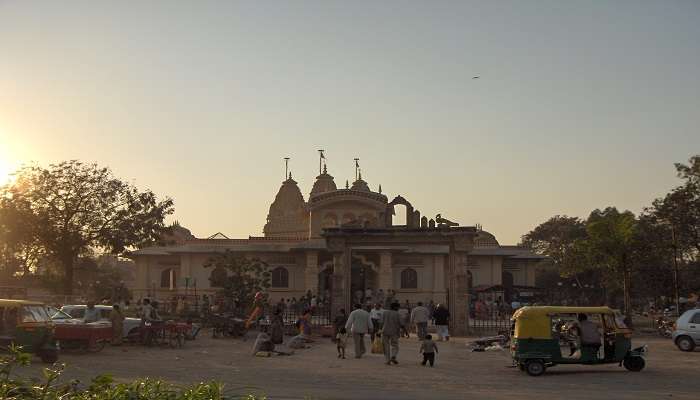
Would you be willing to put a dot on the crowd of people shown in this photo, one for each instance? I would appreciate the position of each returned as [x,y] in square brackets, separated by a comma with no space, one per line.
[385,326]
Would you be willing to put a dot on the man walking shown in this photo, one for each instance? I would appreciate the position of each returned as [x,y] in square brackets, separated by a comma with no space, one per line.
[390,333]
[419,316]
[359,324]
[442,320]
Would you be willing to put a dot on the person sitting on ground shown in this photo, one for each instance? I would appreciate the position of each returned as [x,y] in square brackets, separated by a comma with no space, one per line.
[341,340]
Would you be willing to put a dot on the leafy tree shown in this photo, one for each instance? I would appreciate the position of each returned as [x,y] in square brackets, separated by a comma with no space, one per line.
[610,245]
[244,277]
[559,239]
[73,207]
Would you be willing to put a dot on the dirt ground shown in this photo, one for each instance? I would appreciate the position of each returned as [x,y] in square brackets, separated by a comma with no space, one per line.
[316,373]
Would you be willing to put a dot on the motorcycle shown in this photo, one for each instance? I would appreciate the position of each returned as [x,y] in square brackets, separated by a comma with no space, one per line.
[664,326]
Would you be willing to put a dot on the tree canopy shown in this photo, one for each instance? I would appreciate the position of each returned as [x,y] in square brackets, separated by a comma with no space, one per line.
[68,209]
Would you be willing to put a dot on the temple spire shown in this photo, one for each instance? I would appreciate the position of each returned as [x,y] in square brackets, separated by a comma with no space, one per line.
[357,166]
[380,188]
[347,184]
[286,167]
[321,157]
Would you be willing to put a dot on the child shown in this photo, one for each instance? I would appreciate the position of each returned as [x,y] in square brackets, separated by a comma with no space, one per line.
[428,348]
[341,339]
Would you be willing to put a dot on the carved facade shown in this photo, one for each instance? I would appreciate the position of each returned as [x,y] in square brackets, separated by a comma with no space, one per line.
[343,241]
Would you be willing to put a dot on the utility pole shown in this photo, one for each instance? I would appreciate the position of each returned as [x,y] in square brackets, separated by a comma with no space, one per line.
[675,269]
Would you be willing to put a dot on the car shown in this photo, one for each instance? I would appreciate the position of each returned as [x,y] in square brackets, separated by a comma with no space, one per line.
[69,313]
[686,334]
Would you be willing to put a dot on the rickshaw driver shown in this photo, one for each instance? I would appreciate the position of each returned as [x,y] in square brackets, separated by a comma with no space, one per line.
[589,333]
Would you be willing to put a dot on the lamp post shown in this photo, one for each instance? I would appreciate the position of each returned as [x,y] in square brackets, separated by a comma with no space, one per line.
[675,269]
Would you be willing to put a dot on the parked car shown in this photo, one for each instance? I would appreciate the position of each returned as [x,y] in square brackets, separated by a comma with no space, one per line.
[77,312]
[687,330]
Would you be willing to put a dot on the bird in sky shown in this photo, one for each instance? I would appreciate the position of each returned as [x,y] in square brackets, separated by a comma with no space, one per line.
[476,77]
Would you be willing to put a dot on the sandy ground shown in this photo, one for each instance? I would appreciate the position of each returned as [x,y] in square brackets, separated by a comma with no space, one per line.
[316,373]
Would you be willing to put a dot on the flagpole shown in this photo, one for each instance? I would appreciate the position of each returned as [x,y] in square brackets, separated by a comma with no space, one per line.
[320,159]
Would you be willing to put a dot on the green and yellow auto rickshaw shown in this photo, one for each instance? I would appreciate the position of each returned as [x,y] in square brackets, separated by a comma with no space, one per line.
[28,324]
[542,337]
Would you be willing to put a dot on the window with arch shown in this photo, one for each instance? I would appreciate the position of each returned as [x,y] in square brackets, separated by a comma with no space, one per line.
[168,278]
[409,279]
[280,277]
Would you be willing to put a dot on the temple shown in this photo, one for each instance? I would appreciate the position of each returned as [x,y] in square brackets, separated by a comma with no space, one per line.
[342,241]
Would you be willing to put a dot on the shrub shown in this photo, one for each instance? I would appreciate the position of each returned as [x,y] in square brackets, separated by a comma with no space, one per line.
[102,387]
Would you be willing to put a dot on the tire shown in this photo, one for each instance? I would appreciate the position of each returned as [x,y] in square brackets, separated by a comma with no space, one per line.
[685,343]
[634,363]
[535,367]
[48,357]
[96,346]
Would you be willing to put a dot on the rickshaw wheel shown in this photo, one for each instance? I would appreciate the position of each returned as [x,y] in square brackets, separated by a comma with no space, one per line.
[634,363]
[535,367]
[48,357]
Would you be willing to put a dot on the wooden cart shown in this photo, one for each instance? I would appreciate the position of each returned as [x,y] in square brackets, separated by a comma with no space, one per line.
[91,337]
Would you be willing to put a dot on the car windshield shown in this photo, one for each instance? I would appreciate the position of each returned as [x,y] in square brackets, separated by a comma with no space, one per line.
[74,312]
[35,314]
[60,315]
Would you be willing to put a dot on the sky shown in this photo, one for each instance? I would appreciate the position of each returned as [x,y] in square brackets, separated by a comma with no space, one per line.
[579,104]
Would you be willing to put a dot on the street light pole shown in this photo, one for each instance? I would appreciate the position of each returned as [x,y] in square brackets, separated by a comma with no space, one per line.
[675,269]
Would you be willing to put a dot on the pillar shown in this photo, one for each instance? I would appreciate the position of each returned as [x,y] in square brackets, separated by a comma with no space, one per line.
[185,271]
[439,279]
[458,291]
[311,272]
[385,273]
[340,298]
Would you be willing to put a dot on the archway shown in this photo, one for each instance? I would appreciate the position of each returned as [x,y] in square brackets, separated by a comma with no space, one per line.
[362,278]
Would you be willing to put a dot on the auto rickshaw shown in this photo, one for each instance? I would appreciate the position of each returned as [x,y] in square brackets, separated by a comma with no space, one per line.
[28,324]
[543,337]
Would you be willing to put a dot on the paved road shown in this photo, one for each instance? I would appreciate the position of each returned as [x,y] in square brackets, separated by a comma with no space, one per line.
[459,374]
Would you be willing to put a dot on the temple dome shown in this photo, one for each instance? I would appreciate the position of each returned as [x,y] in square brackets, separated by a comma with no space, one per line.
[287,216]
[360,185]
[324,183]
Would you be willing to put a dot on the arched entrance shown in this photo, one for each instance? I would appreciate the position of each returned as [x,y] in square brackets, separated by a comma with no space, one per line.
[362,277]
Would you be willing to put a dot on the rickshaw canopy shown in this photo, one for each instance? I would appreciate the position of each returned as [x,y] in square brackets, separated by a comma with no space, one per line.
[534,322]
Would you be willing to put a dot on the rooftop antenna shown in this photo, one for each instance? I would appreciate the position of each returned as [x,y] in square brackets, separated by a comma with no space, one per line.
[286,167]
[357,167]
[321,157]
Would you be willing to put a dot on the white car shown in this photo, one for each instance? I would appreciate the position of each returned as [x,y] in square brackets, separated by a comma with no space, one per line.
[76,313]
[687,333]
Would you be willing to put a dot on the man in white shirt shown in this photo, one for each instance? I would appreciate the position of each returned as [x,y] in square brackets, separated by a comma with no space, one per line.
[420,316]
[359,324]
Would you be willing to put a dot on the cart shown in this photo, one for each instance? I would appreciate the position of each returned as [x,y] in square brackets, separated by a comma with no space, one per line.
[91,337]
[165,333]
[225,325]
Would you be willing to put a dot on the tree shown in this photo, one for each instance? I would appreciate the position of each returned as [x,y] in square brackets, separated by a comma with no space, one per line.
[610,245]
[245,277]
[73,208]
[556,238]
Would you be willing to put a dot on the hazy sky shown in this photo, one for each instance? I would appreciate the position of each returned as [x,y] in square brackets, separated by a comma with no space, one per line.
[580,105]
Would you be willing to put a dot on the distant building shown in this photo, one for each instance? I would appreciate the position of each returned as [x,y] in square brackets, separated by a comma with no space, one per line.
[342,241]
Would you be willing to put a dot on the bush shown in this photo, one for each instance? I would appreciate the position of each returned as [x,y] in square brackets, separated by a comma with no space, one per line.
[102,387]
